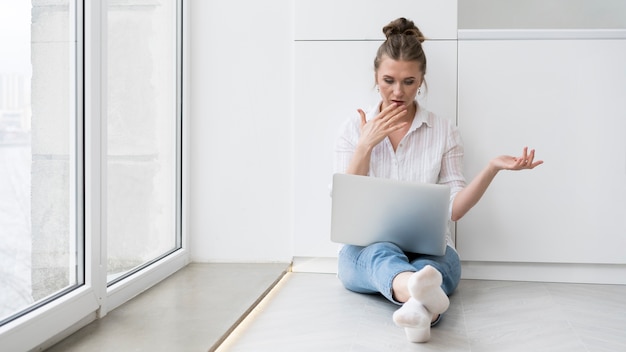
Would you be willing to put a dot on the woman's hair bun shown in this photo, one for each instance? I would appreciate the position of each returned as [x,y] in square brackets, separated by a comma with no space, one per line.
[404,27]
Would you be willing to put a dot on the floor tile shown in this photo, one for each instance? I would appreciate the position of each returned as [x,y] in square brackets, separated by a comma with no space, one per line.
[313,312]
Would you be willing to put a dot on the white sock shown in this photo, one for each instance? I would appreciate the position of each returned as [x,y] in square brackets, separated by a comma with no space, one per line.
[415,319]
[427,299]
[425,287]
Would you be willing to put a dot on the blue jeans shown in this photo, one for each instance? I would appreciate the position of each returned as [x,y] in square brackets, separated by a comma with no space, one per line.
[372,269]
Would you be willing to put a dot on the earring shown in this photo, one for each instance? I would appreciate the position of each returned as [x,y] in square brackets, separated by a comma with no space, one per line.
[419,91]
[377,88]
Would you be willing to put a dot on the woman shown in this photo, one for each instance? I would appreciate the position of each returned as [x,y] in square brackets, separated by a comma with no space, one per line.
[400,140]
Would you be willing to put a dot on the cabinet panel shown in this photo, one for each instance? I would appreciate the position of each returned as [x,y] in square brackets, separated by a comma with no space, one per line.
[364,19]
[332,80]
[566,99]
[542,14]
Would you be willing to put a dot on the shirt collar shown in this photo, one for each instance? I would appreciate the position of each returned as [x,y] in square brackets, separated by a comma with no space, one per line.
[421,117]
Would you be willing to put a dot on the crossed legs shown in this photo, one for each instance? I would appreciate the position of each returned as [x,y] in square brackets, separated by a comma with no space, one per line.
[417,282]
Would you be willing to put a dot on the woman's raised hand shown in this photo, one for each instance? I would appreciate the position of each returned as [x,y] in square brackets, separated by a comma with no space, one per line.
[378,128]
[525,161]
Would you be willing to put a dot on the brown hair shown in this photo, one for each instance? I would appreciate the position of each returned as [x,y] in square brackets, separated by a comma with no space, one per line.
[404,43]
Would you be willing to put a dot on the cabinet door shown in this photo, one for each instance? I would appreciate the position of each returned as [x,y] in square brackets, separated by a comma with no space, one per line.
[566,98]
[364,19]
[332,80]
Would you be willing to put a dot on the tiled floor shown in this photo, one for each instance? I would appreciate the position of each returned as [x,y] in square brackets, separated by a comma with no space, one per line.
[313,312]
[191,311]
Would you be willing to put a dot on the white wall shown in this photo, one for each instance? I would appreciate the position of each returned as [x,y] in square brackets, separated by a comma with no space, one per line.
[241,162]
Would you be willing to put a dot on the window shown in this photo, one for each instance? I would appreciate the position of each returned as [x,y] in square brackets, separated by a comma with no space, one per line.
[90,160]
[142,144]
[40,199]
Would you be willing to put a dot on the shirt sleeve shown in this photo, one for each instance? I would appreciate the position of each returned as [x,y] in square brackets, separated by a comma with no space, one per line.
[344,149]
[345,146]
[451,173]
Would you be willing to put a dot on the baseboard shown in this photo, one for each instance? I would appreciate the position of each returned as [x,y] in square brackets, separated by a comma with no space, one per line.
[614,274]
[539,272]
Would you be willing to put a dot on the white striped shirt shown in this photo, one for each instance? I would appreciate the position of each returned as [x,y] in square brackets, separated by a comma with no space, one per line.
[430,152]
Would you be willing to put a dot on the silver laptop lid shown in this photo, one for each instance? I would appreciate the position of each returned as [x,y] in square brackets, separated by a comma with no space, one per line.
[366,210]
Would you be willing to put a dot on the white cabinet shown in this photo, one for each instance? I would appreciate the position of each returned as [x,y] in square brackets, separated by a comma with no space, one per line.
[364,19]
[335,46]
[567,99]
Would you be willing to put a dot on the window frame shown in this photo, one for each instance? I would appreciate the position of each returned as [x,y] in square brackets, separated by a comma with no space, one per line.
[51,322]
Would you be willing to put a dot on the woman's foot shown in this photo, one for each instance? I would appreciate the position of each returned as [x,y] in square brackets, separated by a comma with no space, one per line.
[427,302]
[425,287]
[415,319]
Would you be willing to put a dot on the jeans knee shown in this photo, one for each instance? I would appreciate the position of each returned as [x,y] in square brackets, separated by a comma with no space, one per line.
[383,248]
[453,272]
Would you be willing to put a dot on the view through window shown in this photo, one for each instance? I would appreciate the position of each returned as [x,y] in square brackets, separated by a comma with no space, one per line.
[142,144]
[39,250]
[41,166]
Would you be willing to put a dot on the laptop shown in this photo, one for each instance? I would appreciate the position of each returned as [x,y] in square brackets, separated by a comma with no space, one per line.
[412,215]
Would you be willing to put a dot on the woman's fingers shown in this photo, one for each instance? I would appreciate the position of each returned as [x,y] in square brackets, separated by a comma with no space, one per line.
[386,122]
[523,159]
[531,157]
[531,160]
[527,160]
[391,111]
[387,118]
[362,113]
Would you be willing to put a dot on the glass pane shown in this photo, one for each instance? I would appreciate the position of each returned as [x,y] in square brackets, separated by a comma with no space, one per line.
[142,134]
[38,243]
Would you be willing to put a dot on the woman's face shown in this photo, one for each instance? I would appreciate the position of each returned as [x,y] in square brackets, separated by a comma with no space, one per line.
[398,81]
